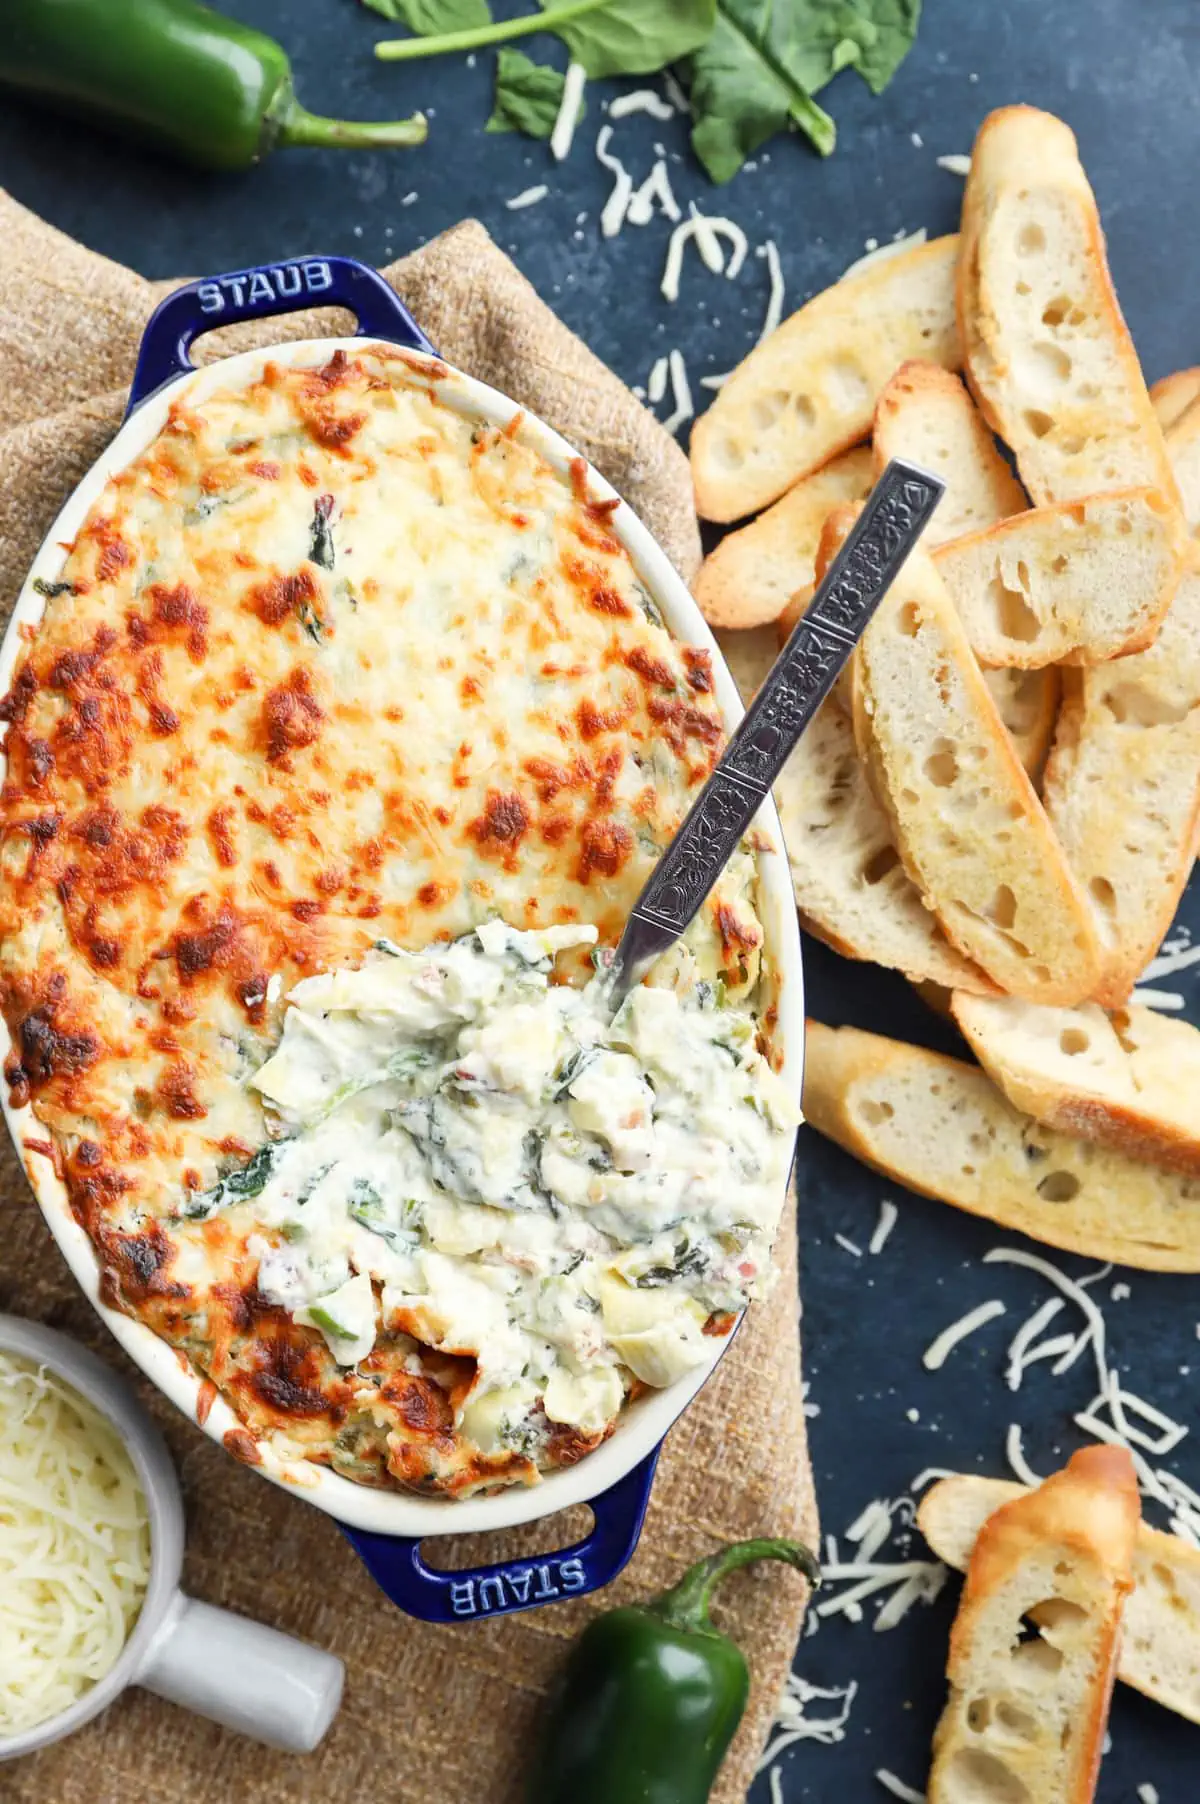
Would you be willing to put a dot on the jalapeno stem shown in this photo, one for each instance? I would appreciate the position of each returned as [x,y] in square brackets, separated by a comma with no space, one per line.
[294,124]
[685,1606]
[477,37]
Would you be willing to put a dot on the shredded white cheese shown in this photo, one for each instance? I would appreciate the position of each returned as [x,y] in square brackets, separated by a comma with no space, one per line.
[74,1546]
[930,1474]
[656,187]
[681,392]
[716,382]
[1023,1339]
[888,1217]
[1016,1457]
[1167,1002]
[774,313]
[939,1350]
[848,1245]
[882,252]
[958,164]
[897,1787]
[792,1725]
[1174,955]
[617,205]
[528,197]
[1147,1794]
[656,385]
[642,100]
[563,135]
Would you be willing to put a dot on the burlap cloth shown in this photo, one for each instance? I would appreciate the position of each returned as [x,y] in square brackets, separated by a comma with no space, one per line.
[431,1715]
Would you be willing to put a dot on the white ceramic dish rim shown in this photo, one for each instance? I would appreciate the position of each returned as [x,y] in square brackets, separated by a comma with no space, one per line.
[645,1423]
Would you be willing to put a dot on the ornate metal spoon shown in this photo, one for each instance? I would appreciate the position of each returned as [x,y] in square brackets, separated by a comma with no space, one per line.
[891,522]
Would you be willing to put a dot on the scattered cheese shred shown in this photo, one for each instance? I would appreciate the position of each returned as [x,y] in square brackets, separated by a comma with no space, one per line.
[1023,1339]
[528,197]
[939,1350]
[848,1245]
[774,314]
[888,1217]
[1147,1794]
[706,231]
[958,164]
[656,385]
[1174,955]
[1167,1002]
[1015,1454]
[642,100]
[792,1725]
[882,252]
[656,187]
[681,392]
[617,204]
[897,1787]
[74,1546]
[563,135]
[716,381]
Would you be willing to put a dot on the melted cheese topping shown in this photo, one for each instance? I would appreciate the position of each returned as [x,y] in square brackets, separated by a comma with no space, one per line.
[329,662]
[74,1547]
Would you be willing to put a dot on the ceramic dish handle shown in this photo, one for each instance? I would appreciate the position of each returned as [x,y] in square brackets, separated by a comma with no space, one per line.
[395,1563]
[243,1675]
[260,293]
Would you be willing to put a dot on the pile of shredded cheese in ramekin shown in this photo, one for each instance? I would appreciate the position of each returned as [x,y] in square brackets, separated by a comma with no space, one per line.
[74,1546]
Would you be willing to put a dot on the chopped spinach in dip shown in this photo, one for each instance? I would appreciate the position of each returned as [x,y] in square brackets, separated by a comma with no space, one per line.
[468,1152]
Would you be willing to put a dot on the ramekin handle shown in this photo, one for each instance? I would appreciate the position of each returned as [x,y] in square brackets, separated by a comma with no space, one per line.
[502,1589]
[262,292]
[243,1675]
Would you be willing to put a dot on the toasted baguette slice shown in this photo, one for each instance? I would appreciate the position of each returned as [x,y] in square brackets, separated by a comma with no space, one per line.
[1130,1080]
[1048,354]
[1183,448]
[1172,395]
[926,414]
[1027,701]
[1160,1643]
[942,1128]
[1025,1719]
[1074,584]
[749,657]
[851,888]
[1122,789]
[809,390]
[753,574]
[966,818]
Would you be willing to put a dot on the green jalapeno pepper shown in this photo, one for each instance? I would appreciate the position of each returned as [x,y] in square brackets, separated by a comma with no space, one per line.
[174,74]
[652,1694]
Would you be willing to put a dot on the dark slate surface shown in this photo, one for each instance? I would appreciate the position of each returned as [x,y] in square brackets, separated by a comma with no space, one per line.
[1125,76]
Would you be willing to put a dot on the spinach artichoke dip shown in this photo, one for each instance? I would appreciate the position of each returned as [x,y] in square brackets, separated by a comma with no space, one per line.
[346,740]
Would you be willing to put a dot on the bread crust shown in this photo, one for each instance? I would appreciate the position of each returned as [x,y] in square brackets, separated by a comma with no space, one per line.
[953,795]
[809,390]
[753,574]
[1062,614]
[1080,1523]
[926,414]
[1048,354]
[941,1128]
[1172,395]
[1162,1614]
[1132,1084]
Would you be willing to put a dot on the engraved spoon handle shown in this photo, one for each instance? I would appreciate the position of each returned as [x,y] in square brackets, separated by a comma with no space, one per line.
[896,513]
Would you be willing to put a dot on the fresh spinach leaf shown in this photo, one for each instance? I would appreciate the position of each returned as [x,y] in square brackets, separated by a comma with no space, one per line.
[528,96]
[608,37]
[629,37]
[746,86]
[428,17]
[872,36]
[49,590]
